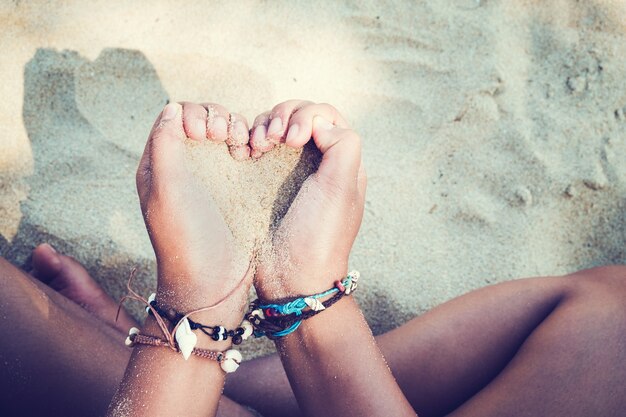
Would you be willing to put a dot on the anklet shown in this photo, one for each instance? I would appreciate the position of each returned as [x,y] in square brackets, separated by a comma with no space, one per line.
[229,360]
[217,333]
[279,320]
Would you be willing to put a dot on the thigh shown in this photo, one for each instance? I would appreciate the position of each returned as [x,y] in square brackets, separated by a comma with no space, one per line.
[459,350]
[56,356]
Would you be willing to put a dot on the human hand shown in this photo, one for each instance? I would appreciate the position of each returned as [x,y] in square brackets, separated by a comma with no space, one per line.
[310,247]
[196,257]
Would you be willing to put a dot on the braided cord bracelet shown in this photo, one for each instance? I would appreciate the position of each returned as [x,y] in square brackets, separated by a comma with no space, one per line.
[216,333]
[229,361]
[279,320]
[181,338]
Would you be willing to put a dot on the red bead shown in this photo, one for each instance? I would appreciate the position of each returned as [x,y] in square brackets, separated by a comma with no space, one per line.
[340,286]
[268,312]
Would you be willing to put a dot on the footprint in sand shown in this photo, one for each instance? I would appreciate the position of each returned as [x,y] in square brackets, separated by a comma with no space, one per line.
[86,139]
[119,94]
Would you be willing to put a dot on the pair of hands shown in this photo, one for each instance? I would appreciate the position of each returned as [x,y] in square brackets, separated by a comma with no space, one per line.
[194,248]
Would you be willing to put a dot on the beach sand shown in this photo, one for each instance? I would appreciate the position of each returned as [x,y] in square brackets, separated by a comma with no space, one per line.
[494,131]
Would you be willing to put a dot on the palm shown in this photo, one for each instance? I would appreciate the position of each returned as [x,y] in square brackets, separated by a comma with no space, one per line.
[198,242]
[318,230]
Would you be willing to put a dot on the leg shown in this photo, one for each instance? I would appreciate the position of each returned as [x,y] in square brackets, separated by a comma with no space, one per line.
[58,358]
[62,358]
[516,346]
[572,362]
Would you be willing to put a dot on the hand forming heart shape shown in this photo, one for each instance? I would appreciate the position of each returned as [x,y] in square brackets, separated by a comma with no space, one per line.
[303,209]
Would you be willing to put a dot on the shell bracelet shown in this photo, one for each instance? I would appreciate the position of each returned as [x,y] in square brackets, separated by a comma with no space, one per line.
[182,338]
[229,360]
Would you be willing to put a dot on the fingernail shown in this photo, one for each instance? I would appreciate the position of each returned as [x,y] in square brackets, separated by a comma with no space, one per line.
[200,126]
[240,134]
[258,136]
[170,111]
[321,123]
[293,132]
[219,129]
[260,141]
[276,126]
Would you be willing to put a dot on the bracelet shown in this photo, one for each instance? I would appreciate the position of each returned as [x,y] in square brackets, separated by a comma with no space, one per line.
[217,333]
[279,320]
[229,360]
[181,338]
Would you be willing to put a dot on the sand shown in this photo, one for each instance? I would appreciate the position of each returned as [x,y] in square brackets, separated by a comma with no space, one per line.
[494,131]
[253,195]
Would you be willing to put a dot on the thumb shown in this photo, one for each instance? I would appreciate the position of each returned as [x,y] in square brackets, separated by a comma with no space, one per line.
[341,150]
[163,158]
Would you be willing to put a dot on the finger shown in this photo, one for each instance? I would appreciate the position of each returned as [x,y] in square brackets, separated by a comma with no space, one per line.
[341,150]
[240,152]
[255,154]
[300,126]
[238,137]
[194,121]
[217,122]
[164,157]
[238,133]
[279,118]
[259,141]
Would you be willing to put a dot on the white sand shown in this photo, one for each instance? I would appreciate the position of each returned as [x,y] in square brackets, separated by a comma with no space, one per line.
[494,131]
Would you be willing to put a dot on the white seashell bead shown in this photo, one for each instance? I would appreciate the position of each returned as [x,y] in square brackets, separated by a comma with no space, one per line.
[314,304]
[150,300]
[248,329]
[229,365]
[354,275]
[186,339]
[233,354]
[258,312]
[231,360]
[129,341]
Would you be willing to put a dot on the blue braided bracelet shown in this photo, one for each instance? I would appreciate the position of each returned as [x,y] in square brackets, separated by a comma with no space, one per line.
[296,307]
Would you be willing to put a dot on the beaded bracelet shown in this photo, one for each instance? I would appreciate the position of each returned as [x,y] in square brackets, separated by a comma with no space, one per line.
[279,320]
[229,360]
[181,338]
[217,333]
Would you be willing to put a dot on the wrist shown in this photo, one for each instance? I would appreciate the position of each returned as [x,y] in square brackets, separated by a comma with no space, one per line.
[225,300]
[301,282]
[229,311]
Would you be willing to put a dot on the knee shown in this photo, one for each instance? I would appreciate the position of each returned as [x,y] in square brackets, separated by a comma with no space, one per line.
[601,280]
[600,292]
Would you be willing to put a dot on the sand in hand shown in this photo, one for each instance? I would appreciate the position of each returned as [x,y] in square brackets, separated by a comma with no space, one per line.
[252,195]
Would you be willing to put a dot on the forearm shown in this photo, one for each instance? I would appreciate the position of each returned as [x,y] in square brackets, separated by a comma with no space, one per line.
[160,382]
[335,367]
